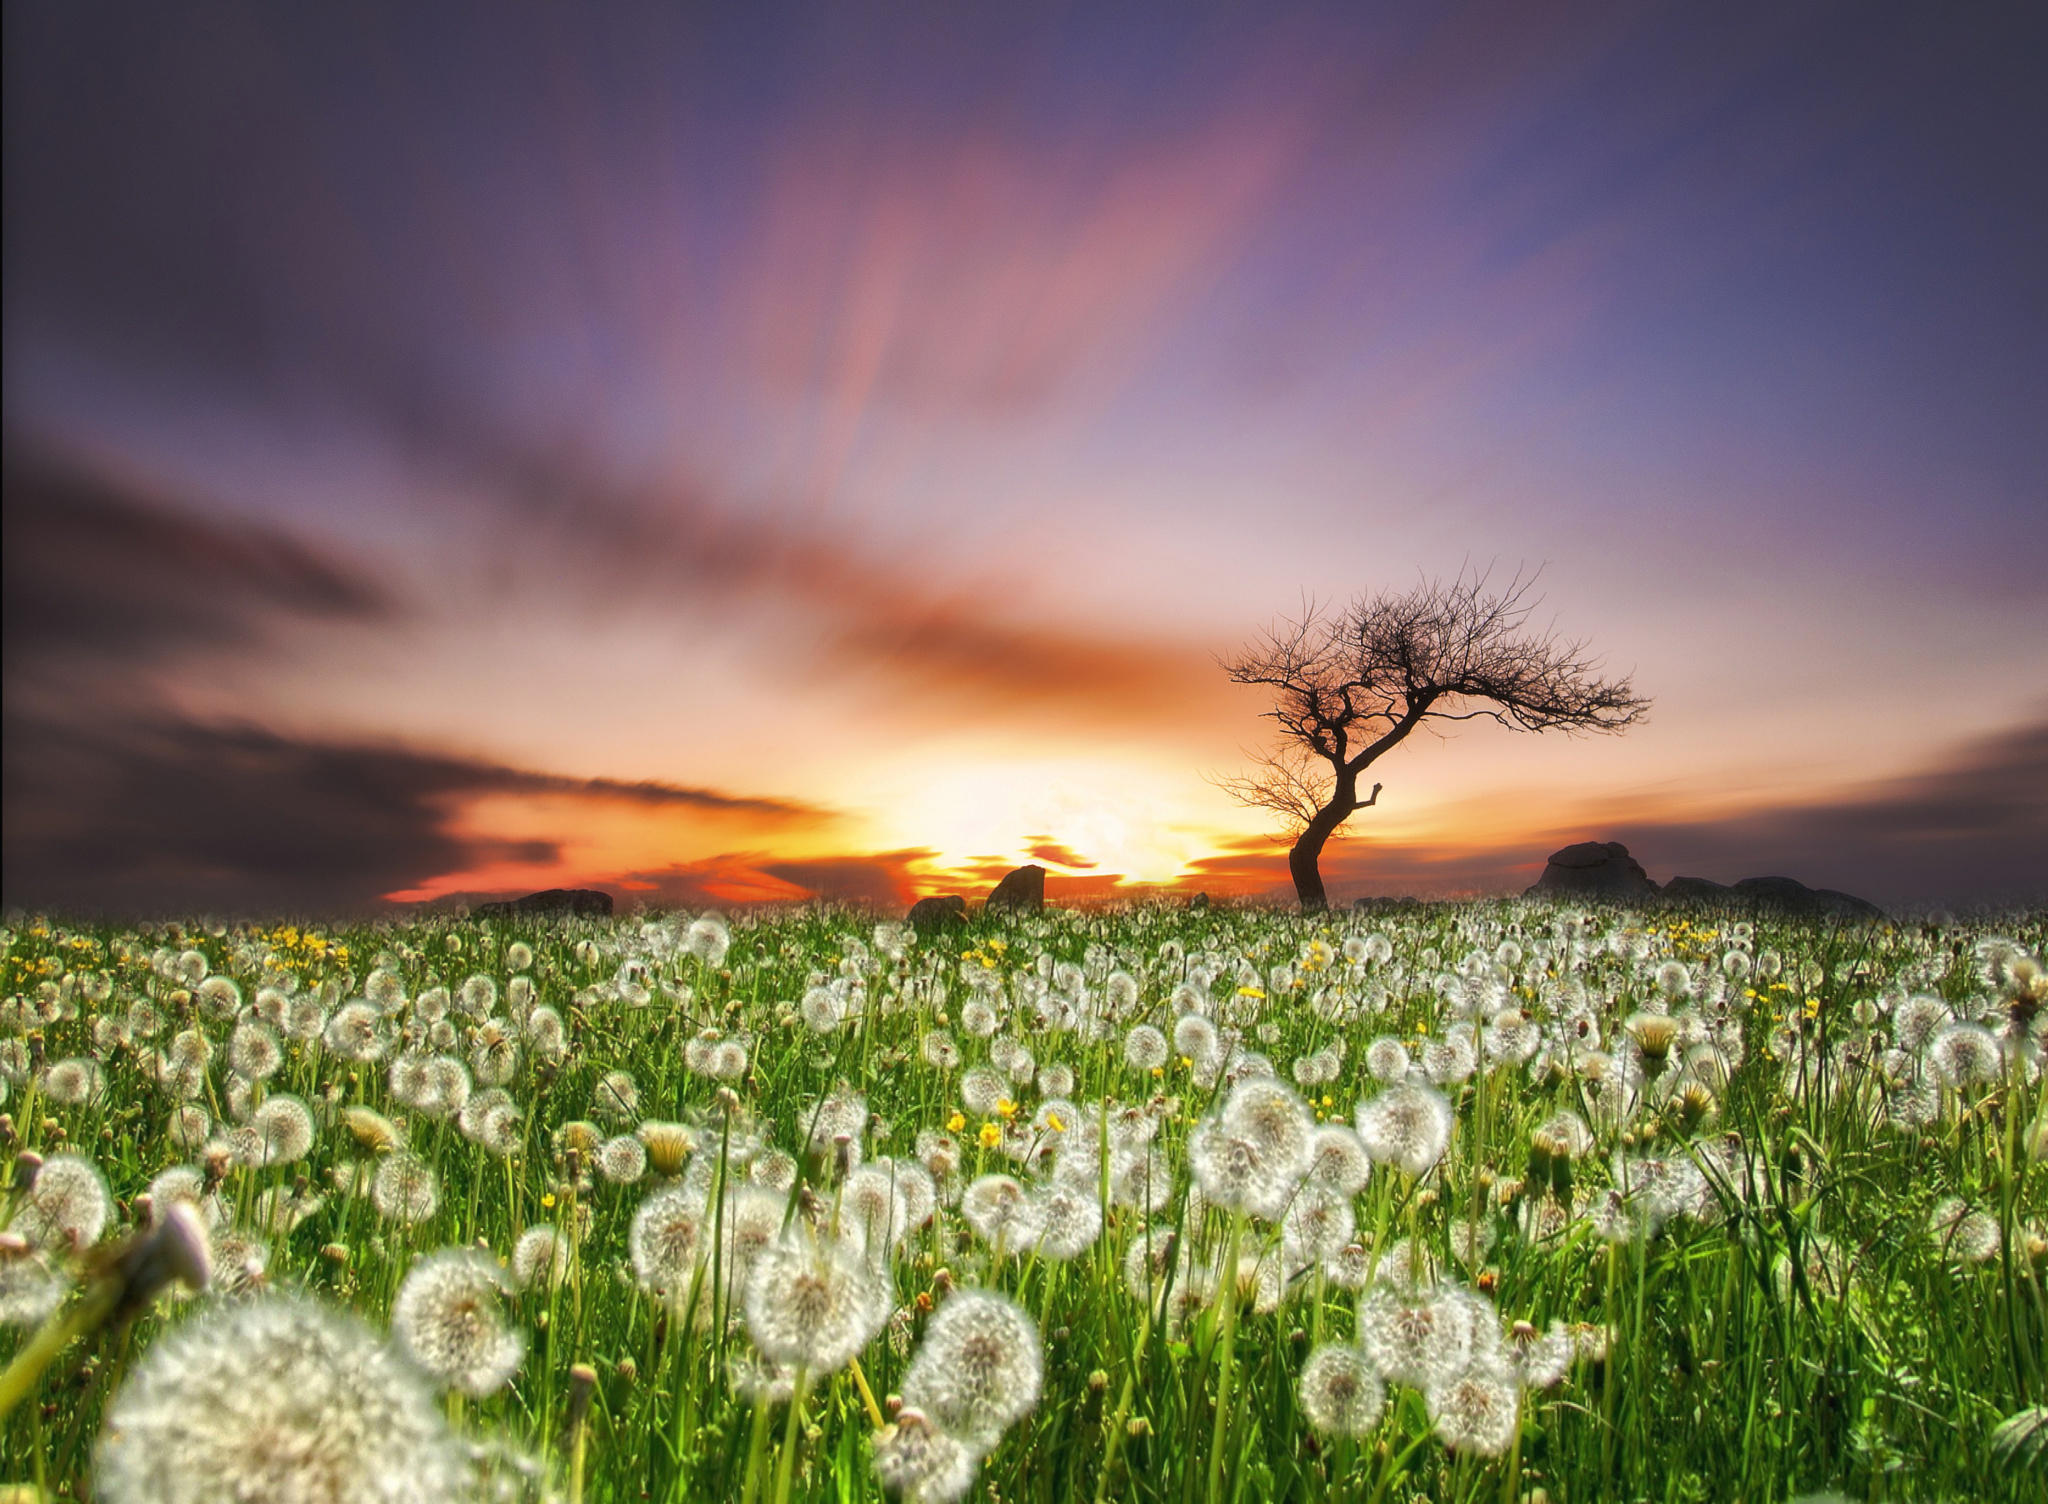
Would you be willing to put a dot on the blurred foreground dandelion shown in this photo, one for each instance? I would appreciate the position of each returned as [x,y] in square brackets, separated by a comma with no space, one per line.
[277,1398]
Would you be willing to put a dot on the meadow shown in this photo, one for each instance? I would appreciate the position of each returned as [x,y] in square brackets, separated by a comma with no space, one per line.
[1491,1201]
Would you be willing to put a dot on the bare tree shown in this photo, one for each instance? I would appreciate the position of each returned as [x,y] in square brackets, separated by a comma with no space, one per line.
[1348,688]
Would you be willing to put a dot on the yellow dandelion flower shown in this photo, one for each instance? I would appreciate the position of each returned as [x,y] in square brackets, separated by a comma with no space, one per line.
[991,1135]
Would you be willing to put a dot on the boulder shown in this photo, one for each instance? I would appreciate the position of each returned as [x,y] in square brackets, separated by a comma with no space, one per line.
[1593,869]
[583,903]
[1198,903]
[1790,896]
[938,913]
[1022,890]
[1697,890]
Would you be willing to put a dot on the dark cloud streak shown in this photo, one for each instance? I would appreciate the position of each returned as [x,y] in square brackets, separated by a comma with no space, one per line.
[134,817]
[96,569]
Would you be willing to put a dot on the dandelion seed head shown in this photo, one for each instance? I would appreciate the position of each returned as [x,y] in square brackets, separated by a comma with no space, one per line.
[219,998]
[1540,1360]
[384,990]
[980,1368]
[356,1032]
[1408,1126]
[920,1463]
[66,1207]
[405,1188]
[71,1082]
[813,1302]
[276,1398]
[1961,1054]
[33,1283]
[1478,1410]
[994,1206]
[982,1090]
[622,1160]
[667,1238]
[1387,1060]
[284,1126]
[617,1098]
[1421,1337]
[540,1255]
[449,1321]
[1066,1220]
[1340,1393]
[1236,1173]
[1195,1037]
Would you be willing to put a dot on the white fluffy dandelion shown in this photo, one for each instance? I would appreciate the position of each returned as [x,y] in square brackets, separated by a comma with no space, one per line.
[1477,1410]
[1408,1125]
[449,1321]
[668,1236]
[814,1303]
[920,1463]
[980,1368]
[280,1397]
[1340,1393]
[66,1207]
[405,1188]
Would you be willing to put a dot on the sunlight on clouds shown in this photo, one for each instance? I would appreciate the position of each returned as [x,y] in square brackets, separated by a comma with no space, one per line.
[597,838]
[1126,818]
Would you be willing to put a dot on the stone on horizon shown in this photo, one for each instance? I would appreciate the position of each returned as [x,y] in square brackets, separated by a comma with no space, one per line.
[1022,890]
[582,903]
[938,912]
[1593,869]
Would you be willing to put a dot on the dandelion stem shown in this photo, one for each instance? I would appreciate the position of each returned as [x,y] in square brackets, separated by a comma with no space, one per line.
[757,1451]
[867,1396]
[1223,1376]
[785,1464]
[83,1317]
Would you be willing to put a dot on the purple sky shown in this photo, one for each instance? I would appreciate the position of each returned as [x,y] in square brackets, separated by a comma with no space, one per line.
[824,451]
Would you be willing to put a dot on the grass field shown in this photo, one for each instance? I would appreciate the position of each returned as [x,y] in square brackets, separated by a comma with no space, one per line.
[1491,1201]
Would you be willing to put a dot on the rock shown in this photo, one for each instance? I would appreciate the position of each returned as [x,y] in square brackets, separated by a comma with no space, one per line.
[583,903]
[1198,903]
[1697,890]
[1790,896]
[1399,905]
[1022,890]
[938,913]
[1593,869]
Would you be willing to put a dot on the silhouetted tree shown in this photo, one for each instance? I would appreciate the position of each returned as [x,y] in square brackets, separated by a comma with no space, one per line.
[1349,688]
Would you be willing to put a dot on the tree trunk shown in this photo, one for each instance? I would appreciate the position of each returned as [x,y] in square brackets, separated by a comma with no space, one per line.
[1308,881]
[1308,847]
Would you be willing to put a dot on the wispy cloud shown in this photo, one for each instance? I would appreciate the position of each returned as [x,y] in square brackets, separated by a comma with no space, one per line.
[157,815]
[99,570]
[1046,849]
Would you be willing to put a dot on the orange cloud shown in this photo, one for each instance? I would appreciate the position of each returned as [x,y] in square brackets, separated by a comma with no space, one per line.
[1046,849]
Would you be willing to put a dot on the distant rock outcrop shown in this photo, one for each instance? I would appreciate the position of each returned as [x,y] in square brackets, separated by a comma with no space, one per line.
[1697,890]
[1790,896]
[1593,869]
[1198,903]
[938,913]
[1022,890]
[581,903]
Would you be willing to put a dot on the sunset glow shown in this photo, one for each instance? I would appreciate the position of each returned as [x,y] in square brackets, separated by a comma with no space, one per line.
[814,454]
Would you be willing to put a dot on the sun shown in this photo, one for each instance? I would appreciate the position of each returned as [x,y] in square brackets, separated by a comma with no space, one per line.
[1081,814]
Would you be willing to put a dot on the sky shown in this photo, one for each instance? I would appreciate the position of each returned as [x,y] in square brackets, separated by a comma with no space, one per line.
[730,455]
